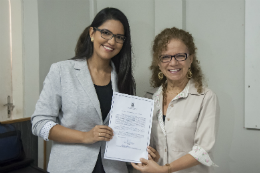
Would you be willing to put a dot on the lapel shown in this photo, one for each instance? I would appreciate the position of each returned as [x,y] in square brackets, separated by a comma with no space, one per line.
[114,86]
[158,100]
[84,77]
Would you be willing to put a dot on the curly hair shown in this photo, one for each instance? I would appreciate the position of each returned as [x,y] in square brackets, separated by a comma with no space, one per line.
[160,44]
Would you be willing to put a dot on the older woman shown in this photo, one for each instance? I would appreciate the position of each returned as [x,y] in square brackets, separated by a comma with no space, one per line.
[186,112]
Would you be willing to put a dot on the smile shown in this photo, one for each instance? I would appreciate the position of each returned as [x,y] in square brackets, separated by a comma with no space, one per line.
[174,71]
[108,48]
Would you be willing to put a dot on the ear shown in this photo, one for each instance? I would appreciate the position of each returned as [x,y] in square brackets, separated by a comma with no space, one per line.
[191,59]
[91,32]
[159,65]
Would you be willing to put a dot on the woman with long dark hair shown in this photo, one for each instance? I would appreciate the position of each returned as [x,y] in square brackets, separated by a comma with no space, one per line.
[73,108]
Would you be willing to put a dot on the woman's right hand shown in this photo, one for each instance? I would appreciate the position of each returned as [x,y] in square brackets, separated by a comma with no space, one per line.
[99,133]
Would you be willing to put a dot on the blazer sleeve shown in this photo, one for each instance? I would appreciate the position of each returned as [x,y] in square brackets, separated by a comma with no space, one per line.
[49,103]
[207,124]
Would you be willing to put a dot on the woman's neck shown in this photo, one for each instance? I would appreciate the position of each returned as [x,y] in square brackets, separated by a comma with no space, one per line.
[99,65]
[176,86]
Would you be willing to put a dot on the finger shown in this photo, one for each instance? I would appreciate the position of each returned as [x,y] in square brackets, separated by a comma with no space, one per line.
[135,166]
[144,161]
[139,164]
[152,149]
[104,138]
[105,127]
[153,155]
[105,135]
[105,132]
[150,157]
[108,136]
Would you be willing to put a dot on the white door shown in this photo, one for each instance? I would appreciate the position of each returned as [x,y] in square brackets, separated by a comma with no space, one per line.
[5,60]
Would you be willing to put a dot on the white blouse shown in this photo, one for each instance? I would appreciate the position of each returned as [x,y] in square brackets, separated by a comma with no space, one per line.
[197,151]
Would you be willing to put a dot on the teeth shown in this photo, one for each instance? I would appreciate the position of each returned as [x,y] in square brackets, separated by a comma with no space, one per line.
[108,48]
[174,70]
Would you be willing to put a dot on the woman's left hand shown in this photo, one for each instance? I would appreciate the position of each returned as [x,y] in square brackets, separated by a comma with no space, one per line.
[150,166]
[153,154]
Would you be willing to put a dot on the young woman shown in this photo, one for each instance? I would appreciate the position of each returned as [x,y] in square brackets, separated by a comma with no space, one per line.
[73,108]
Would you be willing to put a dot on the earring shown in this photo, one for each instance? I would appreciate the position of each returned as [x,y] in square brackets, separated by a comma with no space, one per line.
[160,75]
[189,74]
[92,39]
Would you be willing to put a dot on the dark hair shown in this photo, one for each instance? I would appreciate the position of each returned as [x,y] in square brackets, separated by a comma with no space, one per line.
[122,61]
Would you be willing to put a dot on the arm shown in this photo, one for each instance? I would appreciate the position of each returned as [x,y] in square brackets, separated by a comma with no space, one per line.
[65,135]
[206,131]
[184,162]
[47,110]
[205,135]
[150,166]
[204,138]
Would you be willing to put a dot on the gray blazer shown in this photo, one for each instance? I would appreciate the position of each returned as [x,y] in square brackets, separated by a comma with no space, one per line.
[69,99]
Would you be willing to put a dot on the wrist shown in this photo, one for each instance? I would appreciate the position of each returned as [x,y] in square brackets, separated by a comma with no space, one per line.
[167,168]
[164,169]
[86,138]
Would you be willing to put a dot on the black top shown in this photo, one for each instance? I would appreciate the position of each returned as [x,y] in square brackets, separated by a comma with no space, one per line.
[164,116]
[104,94]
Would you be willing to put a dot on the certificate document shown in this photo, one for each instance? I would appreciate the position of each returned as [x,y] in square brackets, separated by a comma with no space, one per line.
[131,121]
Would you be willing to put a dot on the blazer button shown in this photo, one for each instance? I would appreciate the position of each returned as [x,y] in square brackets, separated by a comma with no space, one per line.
[165,150]
[168,119]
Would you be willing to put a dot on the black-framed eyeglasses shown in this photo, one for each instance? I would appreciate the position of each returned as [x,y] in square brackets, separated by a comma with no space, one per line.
[106,34]
[177,57]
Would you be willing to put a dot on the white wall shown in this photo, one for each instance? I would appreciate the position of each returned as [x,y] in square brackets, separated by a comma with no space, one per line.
[31,63]
[30,56]
[5,65]
[219,31]
[60,24]
[252,71]
[17,59]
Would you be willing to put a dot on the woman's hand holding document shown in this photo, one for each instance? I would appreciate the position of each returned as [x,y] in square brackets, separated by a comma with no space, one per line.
[131,121]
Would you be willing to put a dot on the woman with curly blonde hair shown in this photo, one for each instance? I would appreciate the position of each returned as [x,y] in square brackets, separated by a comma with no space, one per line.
[186,111]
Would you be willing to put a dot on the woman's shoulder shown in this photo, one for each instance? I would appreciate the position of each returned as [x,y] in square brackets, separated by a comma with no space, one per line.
[65,63]
[69,64]
[205,90]
[208,93]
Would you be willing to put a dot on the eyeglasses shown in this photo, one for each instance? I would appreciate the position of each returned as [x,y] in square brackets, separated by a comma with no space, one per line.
[177,57]
[106,34]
